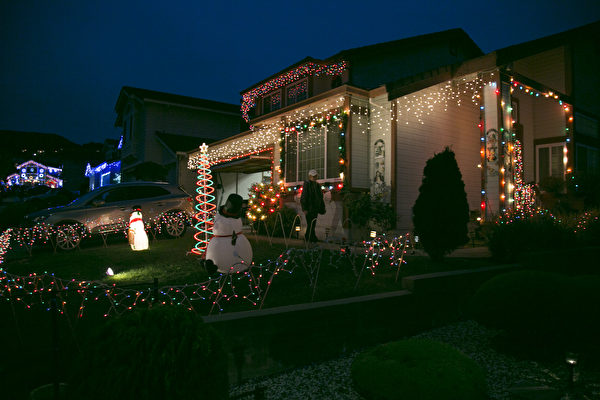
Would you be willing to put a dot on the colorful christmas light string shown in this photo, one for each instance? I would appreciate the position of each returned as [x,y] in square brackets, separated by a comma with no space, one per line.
[304,70]
[204,204]
[251,286]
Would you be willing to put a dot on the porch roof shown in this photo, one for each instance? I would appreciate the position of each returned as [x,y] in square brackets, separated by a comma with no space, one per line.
[246,165]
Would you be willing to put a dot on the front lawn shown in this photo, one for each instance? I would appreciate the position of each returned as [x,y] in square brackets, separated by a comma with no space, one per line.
[303,275]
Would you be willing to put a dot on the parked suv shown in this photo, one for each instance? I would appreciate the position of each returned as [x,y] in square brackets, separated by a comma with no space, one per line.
[107,210]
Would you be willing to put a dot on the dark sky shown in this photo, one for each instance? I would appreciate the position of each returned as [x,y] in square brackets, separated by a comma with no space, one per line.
[63,63]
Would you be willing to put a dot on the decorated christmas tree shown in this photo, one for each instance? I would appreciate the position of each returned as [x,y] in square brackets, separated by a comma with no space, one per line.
[264,200]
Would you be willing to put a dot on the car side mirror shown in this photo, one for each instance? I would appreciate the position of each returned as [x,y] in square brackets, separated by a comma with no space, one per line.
[98,203]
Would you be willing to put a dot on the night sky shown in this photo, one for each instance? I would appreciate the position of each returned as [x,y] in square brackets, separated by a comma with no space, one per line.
[63,63]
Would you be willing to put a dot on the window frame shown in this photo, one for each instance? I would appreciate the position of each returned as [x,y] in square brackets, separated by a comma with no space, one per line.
[297,83]
[549,146]
[297,151]
[267,100]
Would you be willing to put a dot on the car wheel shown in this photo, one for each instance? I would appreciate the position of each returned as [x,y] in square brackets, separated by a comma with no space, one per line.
[174,226]
[68,237]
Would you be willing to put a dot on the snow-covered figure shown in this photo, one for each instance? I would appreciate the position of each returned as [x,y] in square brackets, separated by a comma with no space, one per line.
[228,248]
[138,239]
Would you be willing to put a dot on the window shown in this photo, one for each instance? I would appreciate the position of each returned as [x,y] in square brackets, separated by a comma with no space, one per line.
[550,161]
[105,179]
[313,148]
[297,92]
[133,193]
[272,102]
[588,159]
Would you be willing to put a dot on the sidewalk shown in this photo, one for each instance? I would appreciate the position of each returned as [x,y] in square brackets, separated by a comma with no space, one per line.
[465,252]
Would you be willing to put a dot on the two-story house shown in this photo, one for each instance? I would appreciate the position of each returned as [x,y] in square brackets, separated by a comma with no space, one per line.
[369,118]
[156,126]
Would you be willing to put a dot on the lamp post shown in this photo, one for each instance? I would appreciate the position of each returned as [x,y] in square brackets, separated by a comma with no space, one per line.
[571,360]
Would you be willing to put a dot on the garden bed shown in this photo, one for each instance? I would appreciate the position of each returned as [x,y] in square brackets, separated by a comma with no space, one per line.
[506,375]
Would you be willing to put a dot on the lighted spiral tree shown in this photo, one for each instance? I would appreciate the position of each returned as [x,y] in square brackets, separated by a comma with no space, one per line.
[4,243]
[204,203]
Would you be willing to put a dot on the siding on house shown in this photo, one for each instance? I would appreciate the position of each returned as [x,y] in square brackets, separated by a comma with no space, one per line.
[417,142]
[185,121]
[359,151]
[527,122]
[547,67]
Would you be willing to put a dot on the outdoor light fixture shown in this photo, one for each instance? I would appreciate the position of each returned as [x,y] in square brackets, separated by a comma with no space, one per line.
[571,360]
[109,272]
[297,228]
[373,234]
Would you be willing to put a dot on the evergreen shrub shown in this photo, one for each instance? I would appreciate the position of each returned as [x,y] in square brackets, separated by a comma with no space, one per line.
[529,306]
[417,369]
[508,241]
[583,314]
[441,211]
[161,353]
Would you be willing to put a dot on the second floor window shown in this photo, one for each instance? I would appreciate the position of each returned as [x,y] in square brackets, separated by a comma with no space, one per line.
[297,92]
[272,102]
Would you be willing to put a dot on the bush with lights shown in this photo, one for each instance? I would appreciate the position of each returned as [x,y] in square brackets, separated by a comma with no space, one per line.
[264,200]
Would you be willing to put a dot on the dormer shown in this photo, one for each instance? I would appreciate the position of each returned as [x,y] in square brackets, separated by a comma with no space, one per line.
[291,86]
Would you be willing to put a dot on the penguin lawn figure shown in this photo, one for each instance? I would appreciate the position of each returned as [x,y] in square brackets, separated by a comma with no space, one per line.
[138,240]
[228,248]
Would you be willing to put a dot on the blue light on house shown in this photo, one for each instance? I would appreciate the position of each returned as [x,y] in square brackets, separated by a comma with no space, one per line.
[104,174]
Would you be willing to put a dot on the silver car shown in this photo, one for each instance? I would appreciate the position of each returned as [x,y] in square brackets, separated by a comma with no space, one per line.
[107,210]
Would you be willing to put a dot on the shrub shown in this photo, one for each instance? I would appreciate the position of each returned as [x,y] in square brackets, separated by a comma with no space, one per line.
[529,306]
[417,369]
[508,241]
[161,353]
[364,210]
[584,313]
[441,212]
[273,224]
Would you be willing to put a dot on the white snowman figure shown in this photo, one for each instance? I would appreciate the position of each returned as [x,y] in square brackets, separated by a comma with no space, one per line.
[229,249]
[138,239]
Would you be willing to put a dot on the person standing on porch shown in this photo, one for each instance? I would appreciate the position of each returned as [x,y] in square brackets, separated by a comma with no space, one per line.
[312,204]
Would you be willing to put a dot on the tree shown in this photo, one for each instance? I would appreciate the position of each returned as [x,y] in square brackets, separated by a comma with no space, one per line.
[441,212]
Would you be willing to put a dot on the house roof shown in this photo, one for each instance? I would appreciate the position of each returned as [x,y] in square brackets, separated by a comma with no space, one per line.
[152,95]
[181,143]
[447,36]
[511,53]
[365,52]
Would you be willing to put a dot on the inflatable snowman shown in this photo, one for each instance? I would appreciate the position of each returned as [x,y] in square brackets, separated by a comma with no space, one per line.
[138,240]
[228,248]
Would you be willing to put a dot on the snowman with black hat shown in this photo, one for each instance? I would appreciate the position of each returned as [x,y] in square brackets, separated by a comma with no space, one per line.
[228,250]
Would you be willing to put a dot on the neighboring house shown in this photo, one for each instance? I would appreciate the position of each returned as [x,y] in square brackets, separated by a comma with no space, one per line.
[109,171]
[146,115]
[370,118]
[32,173]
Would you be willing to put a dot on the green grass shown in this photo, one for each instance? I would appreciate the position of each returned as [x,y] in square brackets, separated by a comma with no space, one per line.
[172,263]
[169,260]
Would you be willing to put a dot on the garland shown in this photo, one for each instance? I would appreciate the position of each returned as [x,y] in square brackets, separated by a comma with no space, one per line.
[308,69]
